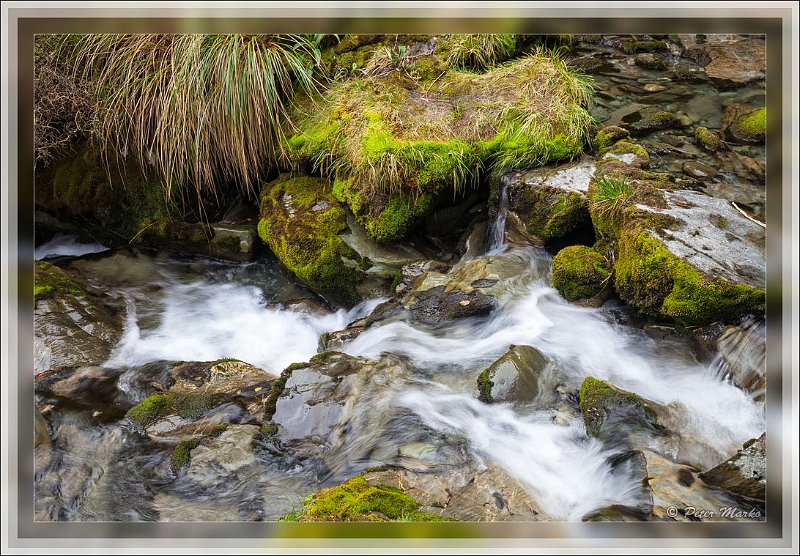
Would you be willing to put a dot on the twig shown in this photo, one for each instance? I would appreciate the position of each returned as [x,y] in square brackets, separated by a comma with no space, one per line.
[743,213]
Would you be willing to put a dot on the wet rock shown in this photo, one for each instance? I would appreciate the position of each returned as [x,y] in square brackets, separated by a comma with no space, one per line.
[222,457]
[385,258]
[699,170]
[474,242]
[649,119]
[704,262]
[85,385]
[580,272]
[745,473]
[612,414]
[340,338]
[609,135]
[652,60]
[412,271]
[685,70]
[236,242]
[679,492]
[730,61]
[591,64]
[306,306]
[464,494]
[41,436]
[617,117]
[707,139]
[551,201]
[742,350]
[436,305]
[744,167]
[72,328]
[653,88]
[513,377]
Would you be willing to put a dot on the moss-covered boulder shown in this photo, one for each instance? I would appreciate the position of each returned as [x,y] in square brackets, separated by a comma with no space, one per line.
[301,222]
[609,135]
[357,500]
[513,377]
[750,127]
[707,139]
[610,413]
[580,272]
[550,201]
[649,119]
[402,139]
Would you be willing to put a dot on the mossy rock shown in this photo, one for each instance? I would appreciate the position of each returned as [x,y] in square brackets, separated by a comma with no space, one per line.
[399,143]
[550,212]
[513,377]
[580,272]
[181,455]
[648,120]
[52,282]
[749,128]
[301,222]
[357,500]
[644,46]
[609,135]
[109,196]
[707,139]
[605,406]
[651,278]
[189,405]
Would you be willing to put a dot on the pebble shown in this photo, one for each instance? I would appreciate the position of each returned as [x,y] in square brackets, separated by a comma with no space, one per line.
[653,88]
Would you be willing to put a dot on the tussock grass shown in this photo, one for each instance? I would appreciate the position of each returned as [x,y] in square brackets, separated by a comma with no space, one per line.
[478,52]
[612,195]
[201,110]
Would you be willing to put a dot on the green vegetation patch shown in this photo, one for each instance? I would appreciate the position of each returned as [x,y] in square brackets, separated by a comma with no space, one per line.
[580,272]
[750,128]
[396,142]
[182,454]
[50,281]
[189,405]
[301,222]
[550,212]
[357,500]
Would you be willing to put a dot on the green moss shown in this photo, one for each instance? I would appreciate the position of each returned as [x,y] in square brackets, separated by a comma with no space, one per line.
[549,213]
[579,272]
[625,146]
[607,136]
[750,128]
[268,430]
[597,397]
[645,46]
[320,358]
[50,282]
[707,138]
[182,454]
[357,500]
[485,385]
[189,405]
[395,144]
[749,443]
[274,393]
[301,223]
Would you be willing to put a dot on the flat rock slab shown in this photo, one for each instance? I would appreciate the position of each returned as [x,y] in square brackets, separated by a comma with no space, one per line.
[573,176]
[714,238]
[729,60]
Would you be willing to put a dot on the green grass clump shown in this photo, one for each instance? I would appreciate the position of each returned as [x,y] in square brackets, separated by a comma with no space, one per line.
[201,109]
[579,272]
[478,51]
[609,197]
[357,500]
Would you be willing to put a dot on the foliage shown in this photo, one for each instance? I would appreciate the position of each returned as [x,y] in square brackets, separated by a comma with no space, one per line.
[479,51]
[202,110]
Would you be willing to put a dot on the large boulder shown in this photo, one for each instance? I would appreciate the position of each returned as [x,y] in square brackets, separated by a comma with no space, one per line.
[580,272]
[301,223]
[550,201]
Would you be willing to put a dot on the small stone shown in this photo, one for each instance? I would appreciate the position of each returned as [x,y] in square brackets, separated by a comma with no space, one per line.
[464,302]
[653,88]
[698,170]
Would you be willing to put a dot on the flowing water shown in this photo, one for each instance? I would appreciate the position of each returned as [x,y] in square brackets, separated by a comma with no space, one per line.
[202,310]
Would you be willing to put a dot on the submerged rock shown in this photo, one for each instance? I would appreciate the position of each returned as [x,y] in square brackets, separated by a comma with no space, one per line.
[513,377]
[745,473]
[750,127]
[651,60]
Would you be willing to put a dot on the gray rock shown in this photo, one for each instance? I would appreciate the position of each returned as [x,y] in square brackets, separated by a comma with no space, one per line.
[236,242]
[410,272]
[742,350]
[437,305]
[745,474]
[221,457]
[514,376]
[714,238]
[651,60]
